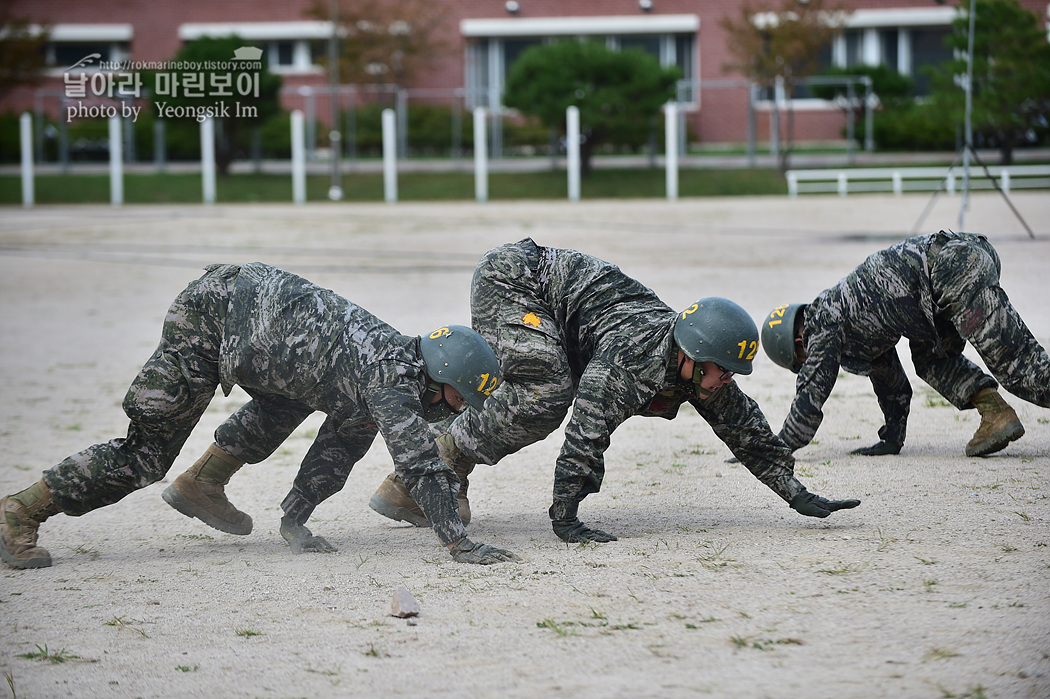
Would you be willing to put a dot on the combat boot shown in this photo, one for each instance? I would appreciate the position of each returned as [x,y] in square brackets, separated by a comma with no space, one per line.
[392,499]
[23,512]
[199,493]
[999,424]
[463,466]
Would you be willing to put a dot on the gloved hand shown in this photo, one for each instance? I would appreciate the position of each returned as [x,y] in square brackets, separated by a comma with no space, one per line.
[302,539]
[574,531]
[466,551]
[880,449]
[810,505]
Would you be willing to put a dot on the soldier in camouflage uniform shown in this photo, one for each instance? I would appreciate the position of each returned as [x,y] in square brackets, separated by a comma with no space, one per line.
[939,291]
[295,348]
[570,329]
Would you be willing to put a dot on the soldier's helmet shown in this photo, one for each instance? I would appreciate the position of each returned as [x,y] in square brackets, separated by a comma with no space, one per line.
[717,330]
[778,336]
[458,356]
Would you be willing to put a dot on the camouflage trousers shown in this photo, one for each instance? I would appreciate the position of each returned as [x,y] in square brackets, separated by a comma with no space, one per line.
[164,403]
[507,310]
[971,306]
[261,425]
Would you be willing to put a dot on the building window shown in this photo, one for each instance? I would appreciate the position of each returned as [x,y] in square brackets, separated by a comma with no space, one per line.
[927,49]
[493,45]
[905,40]
[62,55]
[290,47]
[85,44]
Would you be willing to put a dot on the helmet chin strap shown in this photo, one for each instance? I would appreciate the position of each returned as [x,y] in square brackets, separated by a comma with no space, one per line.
[701,392]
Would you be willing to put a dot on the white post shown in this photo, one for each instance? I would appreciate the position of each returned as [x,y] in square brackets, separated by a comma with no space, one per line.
[298,158]
[898,184]
[951,184]
[208,159]
[389,156]
[116,162]
[792,184]
[1004,181]
[671,148]
[572,148]
[843,187]
[25,127]
[481,171]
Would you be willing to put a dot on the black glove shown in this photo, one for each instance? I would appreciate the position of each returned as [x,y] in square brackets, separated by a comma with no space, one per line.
[302,539]
[466,551]
[810,505]
[574,531]
[880,449]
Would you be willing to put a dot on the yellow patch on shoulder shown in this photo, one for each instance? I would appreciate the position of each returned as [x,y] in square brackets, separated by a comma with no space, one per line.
[531,319]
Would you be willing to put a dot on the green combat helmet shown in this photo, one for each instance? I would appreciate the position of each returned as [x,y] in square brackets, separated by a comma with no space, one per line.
[778,336]
[458,356]
[717,330]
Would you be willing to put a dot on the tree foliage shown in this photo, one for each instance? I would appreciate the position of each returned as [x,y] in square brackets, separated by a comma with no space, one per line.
[385,41]
[1011,75]
[232,132]
[22,60]
[767,43]
[618,93]
[772,45]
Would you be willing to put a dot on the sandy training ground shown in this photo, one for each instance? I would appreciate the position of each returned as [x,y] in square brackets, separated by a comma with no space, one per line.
[938,585]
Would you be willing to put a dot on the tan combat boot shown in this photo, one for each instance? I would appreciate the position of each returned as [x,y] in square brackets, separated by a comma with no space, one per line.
[199,493]
[23,512]
[392,499]
[999,424]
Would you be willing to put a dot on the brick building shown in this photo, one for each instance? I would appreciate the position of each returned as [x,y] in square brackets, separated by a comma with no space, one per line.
[486,36]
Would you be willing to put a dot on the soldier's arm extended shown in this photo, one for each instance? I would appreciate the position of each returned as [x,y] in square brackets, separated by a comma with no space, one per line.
[397,411]
[813,385]
[739,422]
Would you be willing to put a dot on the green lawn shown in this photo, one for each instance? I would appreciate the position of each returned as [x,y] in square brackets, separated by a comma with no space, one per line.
[169,188]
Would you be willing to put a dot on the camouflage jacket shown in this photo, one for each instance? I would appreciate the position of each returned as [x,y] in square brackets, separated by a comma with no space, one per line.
[856,325]
[619,339]
[287,336]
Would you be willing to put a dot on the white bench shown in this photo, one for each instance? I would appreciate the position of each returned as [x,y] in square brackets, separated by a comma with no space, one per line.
[899,180]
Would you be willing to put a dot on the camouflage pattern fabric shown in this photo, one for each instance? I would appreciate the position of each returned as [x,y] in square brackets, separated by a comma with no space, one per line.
[572,330]
[939,291]
[295,348]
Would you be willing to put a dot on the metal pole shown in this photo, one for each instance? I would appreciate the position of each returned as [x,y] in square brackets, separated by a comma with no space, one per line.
[389,155]
[116,162]
[335,190]
[481,174]
[572,148]
[968,146]
[298,158]
[208,159]
[671,149]
[25,126]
